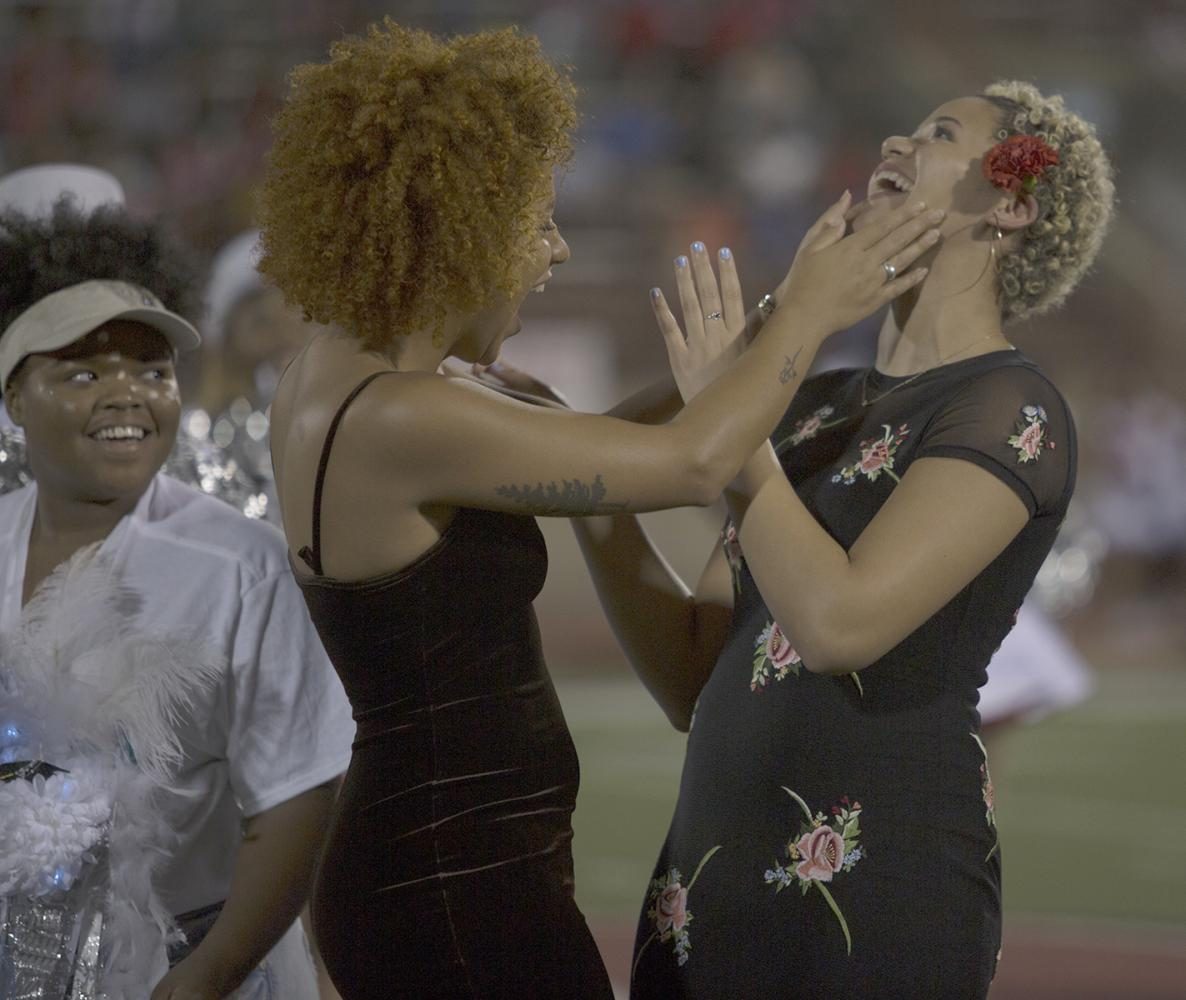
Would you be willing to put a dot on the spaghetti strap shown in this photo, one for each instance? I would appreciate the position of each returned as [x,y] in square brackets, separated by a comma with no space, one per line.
[312,556]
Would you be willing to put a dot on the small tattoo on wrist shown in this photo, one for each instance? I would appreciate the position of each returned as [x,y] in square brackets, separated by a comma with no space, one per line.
[789,371]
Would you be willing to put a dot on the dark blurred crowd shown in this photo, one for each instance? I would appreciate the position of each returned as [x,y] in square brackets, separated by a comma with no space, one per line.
[730,121]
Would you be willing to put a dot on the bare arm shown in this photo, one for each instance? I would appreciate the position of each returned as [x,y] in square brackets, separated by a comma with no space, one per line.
[453,442]
[944,523]
[674,644]
[671,636]
[273,872]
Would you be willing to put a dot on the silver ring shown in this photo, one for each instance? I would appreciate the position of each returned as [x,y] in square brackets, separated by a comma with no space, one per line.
[890,271]
[713,315]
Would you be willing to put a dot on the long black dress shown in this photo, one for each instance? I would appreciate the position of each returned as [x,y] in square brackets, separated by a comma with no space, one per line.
[834,835]
[448,870]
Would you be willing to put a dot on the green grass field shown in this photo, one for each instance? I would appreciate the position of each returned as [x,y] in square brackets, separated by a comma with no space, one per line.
[1091,803]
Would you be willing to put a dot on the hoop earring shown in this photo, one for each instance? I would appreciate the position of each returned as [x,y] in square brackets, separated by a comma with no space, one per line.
[997,236]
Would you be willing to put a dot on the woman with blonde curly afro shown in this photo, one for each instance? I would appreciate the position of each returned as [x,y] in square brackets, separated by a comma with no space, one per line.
[408,204]
[834,834]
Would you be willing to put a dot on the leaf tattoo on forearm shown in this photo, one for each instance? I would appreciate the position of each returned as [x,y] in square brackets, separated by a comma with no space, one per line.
[789,371]
[571,498]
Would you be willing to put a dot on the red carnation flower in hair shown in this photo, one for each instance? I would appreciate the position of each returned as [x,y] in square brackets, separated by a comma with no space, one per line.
[1016,164]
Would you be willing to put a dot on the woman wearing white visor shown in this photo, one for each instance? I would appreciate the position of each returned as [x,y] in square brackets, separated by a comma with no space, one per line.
[241,721]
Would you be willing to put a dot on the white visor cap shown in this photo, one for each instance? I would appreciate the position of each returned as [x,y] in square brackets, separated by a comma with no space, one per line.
[69,314]
[34,190]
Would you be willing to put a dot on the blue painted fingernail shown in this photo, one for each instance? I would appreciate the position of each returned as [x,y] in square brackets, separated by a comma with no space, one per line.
[655,294]
[726,253]
[698,247]
[681,261]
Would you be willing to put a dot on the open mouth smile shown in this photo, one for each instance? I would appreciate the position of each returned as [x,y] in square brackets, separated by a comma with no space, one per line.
[124,432]
[887,180]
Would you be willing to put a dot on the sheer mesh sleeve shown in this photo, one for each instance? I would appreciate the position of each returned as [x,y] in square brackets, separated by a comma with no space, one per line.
[1014,424]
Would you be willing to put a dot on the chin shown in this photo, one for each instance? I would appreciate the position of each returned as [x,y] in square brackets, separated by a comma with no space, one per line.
[490,355]
[874,208]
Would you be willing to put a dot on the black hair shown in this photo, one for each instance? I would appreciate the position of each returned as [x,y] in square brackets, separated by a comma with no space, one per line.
[40,255]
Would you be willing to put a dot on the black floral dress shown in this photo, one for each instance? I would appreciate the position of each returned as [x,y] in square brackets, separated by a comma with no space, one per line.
[834,835]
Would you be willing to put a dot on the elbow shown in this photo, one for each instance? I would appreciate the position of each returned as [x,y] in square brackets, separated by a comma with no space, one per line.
[834,663]
[680,718]
[836,646]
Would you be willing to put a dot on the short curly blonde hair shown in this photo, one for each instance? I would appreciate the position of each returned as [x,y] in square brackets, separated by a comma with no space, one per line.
[1075,201]
[403,175]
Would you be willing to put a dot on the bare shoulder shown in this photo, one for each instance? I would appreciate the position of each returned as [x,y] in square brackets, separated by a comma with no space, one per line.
[414,411]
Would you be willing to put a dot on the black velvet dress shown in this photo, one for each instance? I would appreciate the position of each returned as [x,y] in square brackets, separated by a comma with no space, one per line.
[834,835]
[448,870]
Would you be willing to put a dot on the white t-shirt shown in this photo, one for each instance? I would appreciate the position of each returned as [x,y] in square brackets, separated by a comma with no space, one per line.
[277,723]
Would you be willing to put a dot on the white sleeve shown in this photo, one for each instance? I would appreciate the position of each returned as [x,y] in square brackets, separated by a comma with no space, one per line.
[290,723]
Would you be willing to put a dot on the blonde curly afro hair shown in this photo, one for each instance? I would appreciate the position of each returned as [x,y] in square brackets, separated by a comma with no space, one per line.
[1074,198]
[403,175]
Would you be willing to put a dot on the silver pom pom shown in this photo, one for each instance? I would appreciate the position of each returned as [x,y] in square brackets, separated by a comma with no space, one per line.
[14,463]
[231,471]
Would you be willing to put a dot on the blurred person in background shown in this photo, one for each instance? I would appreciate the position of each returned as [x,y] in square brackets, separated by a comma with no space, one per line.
[828,661]
[248,337]
[409,202]
[92,317]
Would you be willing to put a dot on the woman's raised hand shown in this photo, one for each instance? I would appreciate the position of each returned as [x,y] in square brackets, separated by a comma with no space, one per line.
[837,279]
[714,319]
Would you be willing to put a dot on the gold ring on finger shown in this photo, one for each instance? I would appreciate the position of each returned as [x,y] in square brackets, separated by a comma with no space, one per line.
[890,271]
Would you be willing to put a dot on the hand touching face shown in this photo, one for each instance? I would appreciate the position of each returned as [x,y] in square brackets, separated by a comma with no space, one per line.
[939,164]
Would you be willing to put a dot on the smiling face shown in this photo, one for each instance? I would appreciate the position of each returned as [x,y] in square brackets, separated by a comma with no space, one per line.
[100,416]
[938,164]
[484,335]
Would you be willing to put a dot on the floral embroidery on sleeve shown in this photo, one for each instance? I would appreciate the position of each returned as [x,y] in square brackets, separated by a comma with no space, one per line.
[1032,434]
[667,907]
[877,456]
[822,848]
[773,650]
[989,794]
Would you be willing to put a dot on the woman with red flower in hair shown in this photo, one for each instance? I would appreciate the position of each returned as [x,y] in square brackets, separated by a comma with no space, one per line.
[888,533]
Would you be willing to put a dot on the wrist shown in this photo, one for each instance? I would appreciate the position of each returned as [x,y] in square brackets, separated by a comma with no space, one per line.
[804,325]
[221,970]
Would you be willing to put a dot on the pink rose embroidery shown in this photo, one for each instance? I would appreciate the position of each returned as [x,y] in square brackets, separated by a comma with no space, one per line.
[671,909]
[809,427]
[877,456]
[824,846]
[779,648]
[822,852]
[667,906]
[772,649]
[1031,434]
[874,457]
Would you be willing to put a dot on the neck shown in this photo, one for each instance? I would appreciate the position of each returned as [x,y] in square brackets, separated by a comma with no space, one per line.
[61,518]
[61,527]
[424,350]
[953,315]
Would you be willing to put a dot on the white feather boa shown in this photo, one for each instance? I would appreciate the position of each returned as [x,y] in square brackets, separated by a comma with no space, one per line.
[84,690]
